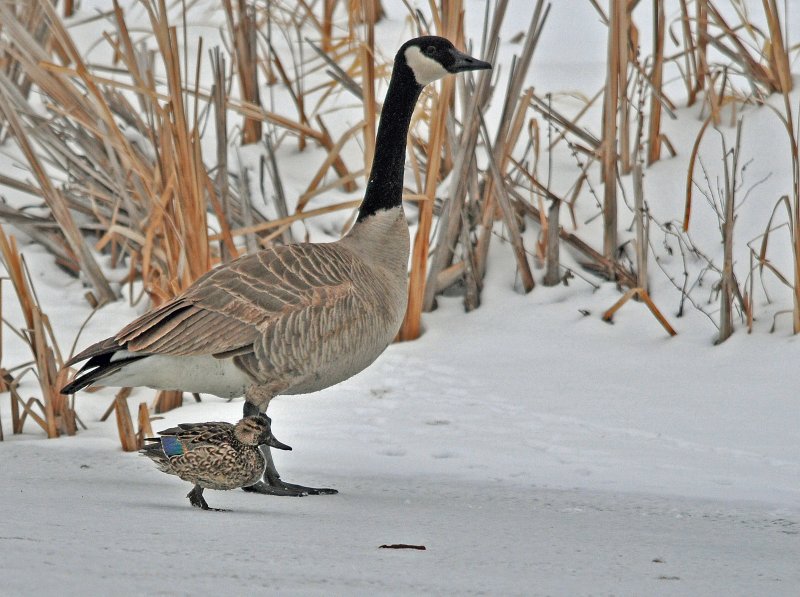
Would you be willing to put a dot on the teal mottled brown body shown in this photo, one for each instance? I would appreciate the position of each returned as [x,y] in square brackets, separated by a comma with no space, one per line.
[213,455]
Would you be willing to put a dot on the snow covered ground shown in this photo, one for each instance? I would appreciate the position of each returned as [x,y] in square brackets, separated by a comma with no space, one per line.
[532,448]
[96,523]
[547,453]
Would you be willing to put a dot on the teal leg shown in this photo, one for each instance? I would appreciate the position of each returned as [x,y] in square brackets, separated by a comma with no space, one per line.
[198,501]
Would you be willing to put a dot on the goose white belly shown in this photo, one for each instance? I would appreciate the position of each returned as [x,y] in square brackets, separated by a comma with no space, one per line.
[202,374]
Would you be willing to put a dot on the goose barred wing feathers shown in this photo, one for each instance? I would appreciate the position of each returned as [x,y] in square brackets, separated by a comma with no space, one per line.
[272,311]
[223,310]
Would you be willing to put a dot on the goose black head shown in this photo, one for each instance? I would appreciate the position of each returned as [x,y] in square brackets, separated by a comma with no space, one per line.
[257,431]
[431,57]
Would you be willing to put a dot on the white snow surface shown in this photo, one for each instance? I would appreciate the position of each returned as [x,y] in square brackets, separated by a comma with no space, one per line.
[535,451]
[531,448]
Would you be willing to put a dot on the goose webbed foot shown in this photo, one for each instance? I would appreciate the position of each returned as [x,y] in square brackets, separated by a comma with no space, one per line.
[198,501]
[272,484]
[288,489]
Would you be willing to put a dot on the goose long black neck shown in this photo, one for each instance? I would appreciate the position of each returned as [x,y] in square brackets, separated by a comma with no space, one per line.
[385,185]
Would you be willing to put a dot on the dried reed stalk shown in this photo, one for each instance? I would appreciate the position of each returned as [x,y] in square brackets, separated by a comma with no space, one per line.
[450,25]
[687,211]
[58,416]
[656,79]
[617,42]
[505,138]
[410,329]
[692,78]
[509,216]
[627,44]
[778,55]
[145,429]
[367,59]
[16,423]
[793,204]
[127,435]
[242,28]
[357,11]
[218,100]
[166,400]
[271,163]
[552,274]
[701,48]
[328,8]
[450,219]
[641,223]
[728,284]
[642,295]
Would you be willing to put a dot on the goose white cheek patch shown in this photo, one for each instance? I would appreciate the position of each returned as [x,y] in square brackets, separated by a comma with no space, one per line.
[426,70]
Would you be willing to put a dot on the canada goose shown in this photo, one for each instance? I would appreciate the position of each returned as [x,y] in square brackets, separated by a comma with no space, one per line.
[213,455]
[290,319]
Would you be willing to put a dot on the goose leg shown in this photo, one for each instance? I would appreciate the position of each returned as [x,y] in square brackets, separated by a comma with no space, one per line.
[198,501]
[272,484]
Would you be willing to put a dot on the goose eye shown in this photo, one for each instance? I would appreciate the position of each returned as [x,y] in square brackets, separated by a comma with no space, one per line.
[430,50]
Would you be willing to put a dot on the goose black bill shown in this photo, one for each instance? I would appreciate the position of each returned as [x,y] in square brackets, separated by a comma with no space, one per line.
[463,62]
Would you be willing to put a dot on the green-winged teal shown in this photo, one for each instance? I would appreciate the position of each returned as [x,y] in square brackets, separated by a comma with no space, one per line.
[213,455]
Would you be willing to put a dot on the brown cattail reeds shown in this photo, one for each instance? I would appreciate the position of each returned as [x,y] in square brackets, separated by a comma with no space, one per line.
[450,25]
[116,155]
[55,414]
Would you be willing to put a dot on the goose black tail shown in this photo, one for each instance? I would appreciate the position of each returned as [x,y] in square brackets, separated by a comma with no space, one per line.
[96,368]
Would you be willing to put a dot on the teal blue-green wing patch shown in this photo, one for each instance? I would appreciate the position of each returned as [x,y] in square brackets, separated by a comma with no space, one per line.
[172,446]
